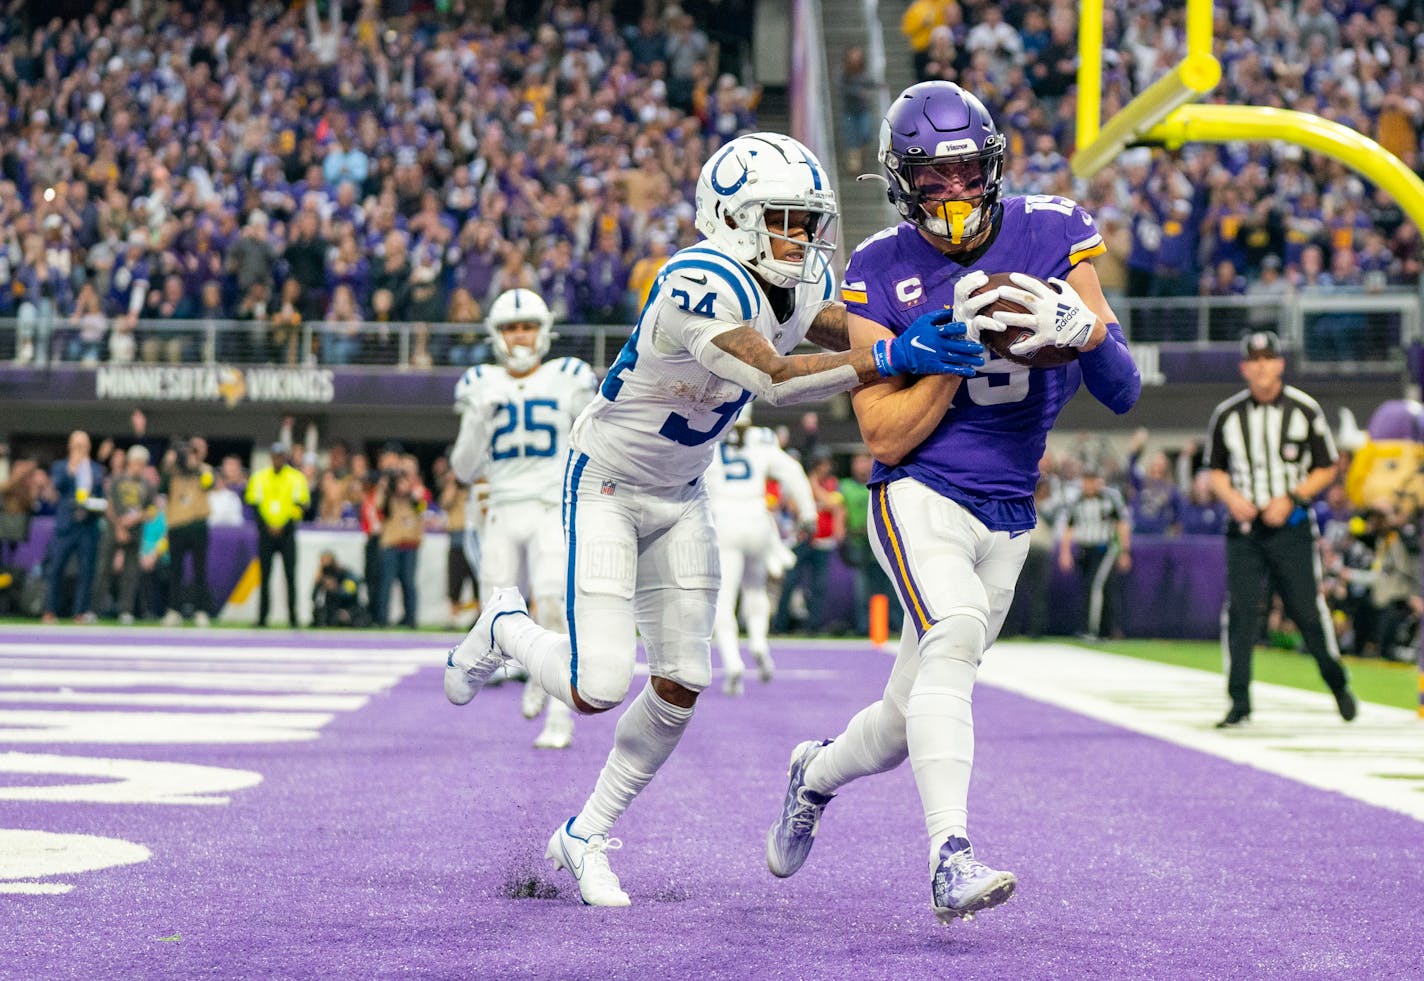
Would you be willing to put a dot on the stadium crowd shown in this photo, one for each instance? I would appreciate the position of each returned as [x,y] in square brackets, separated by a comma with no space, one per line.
[287,168]
[1236,219]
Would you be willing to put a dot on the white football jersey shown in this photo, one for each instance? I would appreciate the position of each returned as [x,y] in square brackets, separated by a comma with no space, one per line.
[515,431]
[736,480]
[659,412]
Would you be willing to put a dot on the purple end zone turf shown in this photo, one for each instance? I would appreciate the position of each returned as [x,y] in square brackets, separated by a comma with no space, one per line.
[396,843]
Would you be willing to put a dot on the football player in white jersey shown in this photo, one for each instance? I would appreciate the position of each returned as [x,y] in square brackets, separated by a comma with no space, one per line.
[515,419]
[717,329]
[747,534]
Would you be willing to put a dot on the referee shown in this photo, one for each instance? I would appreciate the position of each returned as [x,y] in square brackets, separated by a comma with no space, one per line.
[1095,525]
[1270,455]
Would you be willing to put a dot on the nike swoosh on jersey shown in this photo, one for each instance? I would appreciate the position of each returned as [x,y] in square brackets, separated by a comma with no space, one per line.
[699,280]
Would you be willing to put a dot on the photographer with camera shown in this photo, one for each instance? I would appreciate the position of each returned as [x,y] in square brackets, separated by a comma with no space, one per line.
[280,494]
[187,480]
[336,597]
[401,500]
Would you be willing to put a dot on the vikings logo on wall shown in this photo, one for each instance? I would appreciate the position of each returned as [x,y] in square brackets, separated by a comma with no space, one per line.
[232,386]
[212,383]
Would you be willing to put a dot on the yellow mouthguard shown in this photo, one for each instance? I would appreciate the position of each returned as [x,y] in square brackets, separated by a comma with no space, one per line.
[956,213]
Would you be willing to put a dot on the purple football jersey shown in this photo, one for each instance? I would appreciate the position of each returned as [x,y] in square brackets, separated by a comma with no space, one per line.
[984,454]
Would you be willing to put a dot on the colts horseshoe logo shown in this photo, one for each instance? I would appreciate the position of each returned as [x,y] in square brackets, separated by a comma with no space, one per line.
[725,189]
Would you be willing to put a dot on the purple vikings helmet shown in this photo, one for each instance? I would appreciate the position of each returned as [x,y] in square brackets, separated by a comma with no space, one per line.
[944,159]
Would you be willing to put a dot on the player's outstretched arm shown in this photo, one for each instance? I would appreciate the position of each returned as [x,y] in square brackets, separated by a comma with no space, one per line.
[934,344]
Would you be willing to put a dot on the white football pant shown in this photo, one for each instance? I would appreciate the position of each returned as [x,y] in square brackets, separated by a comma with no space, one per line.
[745,538]
[523,545]
[955,579]
[641,560]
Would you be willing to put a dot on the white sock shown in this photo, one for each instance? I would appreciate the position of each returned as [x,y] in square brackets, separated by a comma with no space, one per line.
[728,651]
[549,613]
[873,742]
[724,624]
[544,654]
[642,741]
[939,725]
[558,710]
[756,610]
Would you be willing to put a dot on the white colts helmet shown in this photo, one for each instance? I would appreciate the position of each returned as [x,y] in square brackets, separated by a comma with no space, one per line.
[761,172]
[519,306]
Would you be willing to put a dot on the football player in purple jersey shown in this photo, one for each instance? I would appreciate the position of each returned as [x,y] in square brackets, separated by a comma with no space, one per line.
[718,328]
[956,458]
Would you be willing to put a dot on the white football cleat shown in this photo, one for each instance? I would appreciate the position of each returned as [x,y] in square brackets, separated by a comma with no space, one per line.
[558,727]
[961,885]
[586,859]
[765,666]
[470,663]
[201,619]
[531,703]
[172,619]
[789,841]
[732,682]
[508,671]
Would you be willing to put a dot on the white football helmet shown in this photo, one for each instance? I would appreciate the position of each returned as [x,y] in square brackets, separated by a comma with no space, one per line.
[519,306]
[761,172]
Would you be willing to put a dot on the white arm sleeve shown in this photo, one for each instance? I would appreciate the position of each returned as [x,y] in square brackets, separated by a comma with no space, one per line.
[471,450]
[788,473]
[699,339]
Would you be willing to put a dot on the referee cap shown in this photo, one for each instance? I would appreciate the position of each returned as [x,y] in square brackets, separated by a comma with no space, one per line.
[1260,344]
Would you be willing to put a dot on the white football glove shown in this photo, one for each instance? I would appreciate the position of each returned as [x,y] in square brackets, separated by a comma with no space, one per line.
[967,306]
[1056,314]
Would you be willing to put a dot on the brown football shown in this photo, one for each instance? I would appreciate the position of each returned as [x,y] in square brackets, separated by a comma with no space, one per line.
[999,342]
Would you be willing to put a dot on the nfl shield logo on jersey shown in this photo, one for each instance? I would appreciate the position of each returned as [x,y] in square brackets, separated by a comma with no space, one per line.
[608,487]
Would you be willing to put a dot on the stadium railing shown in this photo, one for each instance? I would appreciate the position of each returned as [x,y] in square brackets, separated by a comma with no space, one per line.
[1334,331]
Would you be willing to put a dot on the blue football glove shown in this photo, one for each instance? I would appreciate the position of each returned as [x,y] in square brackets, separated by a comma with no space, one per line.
[935,344]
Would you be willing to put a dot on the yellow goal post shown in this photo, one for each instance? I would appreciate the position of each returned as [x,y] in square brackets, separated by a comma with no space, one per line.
[1162,116]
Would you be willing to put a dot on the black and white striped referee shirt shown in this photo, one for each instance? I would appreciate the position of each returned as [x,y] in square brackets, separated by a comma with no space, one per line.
[1268,448]
[1094,519]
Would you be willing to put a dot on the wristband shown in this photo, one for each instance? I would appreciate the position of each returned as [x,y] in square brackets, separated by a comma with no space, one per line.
[1297,500]
[881,351]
